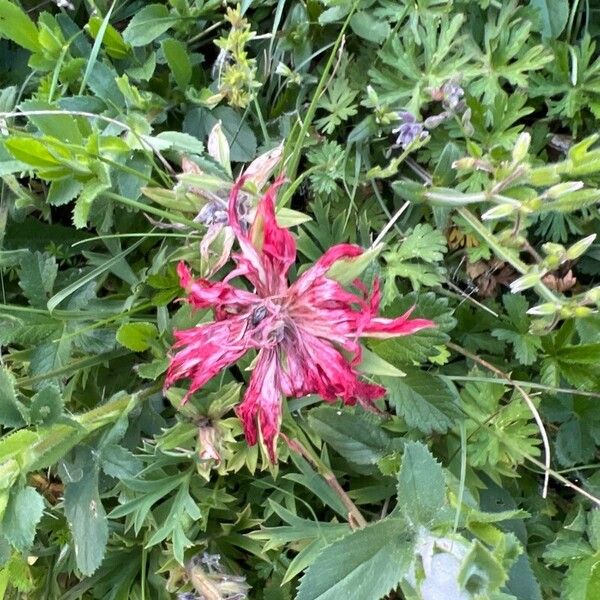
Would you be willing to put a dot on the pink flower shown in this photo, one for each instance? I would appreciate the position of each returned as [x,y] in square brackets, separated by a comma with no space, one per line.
[306,333]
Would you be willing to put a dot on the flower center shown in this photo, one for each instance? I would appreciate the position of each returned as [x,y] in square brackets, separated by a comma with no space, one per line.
[268,323]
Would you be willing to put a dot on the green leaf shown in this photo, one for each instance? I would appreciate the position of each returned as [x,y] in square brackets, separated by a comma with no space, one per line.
[15,25]
[365,565]
[62,191]
[91,190]
[36,277]
[421,489]
[425,401]
[346,270]
[481,572]
[85,513]
[370,28]
[148,24]
[46,406]
[23,513]
[137,336]
[241,139]
[355,436]
[178,60]
[553,15]
[119,462]
[373,364]
[10,412]
[418,346]
[583,579]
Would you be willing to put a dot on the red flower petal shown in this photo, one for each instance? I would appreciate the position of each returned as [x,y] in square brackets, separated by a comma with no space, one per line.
[261,407]
[206,350]
[223,297]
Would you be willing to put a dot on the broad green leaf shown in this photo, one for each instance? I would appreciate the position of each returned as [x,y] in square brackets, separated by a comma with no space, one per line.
[425,401]
[522,583]
[36,277]
[137,336]
[241,138]
[365,565]
[15,25]
[85,513]
[369,27]
[181,142]
[90,191]
[31,151]
[356,436]
[10,412]
[119,462]
[481,572]
[553,15]
[23,513]
[178,59]
[112,40]
[148,24]
[373,364]
[62,191]
[46,406]
[421,489]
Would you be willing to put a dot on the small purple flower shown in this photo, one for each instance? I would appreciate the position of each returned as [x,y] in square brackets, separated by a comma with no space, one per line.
[452,95]
[212,213]
[409,129]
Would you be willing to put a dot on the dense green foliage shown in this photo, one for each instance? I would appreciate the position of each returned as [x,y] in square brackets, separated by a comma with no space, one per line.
[458,140]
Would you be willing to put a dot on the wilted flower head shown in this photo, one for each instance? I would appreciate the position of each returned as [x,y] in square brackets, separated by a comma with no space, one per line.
[210,579]
[409,129]
[306,334]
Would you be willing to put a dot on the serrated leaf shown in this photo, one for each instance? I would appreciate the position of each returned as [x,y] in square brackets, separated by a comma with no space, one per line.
[582,581]
[85,514]
[36,277]
[91,190]
[23,513]
[426,402]
[137,336]
[119,462]
[46,406]
[418,346]
[354,435]
[62,191]
[10,410]
[365,565]
[421,489]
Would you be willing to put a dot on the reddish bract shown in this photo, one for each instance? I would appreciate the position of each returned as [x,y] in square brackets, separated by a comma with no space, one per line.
[298,330]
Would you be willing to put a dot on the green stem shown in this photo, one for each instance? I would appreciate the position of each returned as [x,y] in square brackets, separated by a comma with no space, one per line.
[490,239]
[294,161]
[152,210]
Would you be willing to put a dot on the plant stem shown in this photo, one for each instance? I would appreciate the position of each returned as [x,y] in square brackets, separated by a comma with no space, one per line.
[490,239]
[355,518]
[526,398]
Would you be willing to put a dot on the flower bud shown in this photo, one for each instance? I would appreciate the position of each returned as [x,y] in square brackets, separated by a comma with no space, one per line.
[560,189]
[593,295]
[521,147]
[542,310]
[525,282]
[467,162]
[579,248]
[498,212]
[582,311]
